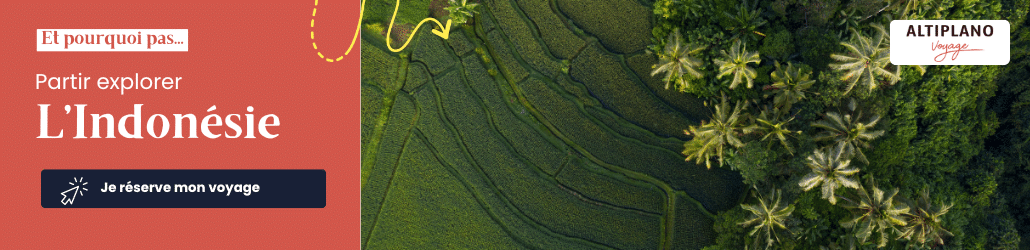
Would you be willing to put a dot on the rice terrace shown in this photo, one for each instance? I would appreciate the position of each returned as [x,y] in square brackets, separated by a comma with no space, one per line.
[662,124]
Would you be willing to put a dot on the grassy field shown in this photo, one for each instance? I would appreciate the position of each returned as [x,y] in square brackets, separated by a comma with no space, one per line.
[532,127]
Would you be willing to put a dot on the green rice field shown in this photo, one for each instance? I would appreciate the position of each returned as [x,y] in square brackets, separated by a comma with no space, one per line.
[535,126]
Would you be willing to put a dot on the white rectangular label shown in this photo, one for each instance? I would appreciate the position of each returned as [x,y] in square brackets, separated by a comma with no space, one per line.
[949,42]
[117,40]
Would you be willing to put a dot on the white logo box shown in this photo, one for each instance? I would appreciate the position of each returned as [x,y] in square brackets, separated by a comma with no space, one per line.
[174,40]
[935,42]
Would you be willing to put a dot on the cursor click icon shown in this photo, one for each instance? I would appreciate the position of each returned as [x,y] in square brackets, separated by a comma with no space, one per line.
[78,190]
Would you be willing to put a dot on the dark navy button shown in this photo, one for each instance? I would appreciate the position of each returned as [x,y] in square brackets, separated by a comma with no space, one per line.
[152,188]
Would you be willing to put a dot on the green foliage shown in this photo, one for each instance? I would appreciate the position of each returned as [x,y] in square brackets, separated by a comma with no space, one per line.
[867,61]
[670,16]
[745,22]
[848,23]
[902,8]
[868,8]
[676,60]
[711,139]
[752,161]
[809,13]
[692,19]
[375,28]
[818,12]
[736,63]
[847,132]
[831,169]
[789,85]
[874,212]
[779,45]
[935,124]
[806,207]
[932,133]
[492,133]
[767,217]
[764,78]
[410,11]
[770,125]
[1012,140]
[816,46]
[982,185]
[730,233]
[461,12]
[924,222]
[1003,234]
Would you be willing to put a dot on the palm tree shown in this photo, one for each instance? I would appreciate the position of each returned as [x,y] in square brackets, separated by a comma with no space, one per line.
[735,63]
[867,60]
[874,212]
[711,139]
[460,11]
[924,222]
[789,85]
[831,169]
[770,124]
[767,216]
[746,22]
[676,60]
[848,132]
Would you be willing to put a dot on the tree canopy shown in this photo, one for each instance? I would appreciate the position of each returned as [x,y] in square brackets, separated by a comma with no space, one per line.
[947,146]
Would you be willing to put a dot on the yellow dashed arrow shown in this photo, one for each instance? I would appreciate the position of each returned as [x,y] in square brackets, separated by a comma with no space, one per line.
[443,32]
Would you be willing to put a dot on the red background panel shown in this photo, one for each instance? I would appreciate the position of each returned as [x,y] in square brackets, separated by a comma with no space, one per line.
[241,54]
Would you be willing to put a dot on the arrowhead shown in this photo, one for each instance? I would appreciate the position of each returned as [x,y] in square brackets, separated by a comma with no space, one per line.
[445,31]
[66,200]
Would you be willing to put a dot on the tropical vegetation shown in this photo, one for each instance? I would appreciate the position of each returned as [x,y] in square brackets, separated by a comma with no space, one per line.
[867,61]
[460,11]
[874,211]
[711,139]
[735,64]
[832,170]
[848,132]
[943,151]
[771,125]
[676,60]
[923,222]
[767,218]
[789,85]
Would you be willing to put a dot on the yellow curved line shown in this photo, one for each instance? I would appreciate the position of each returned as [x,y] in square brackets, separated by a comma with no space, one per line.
[313,45]
[313,13]
[361,15]
[444,32]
